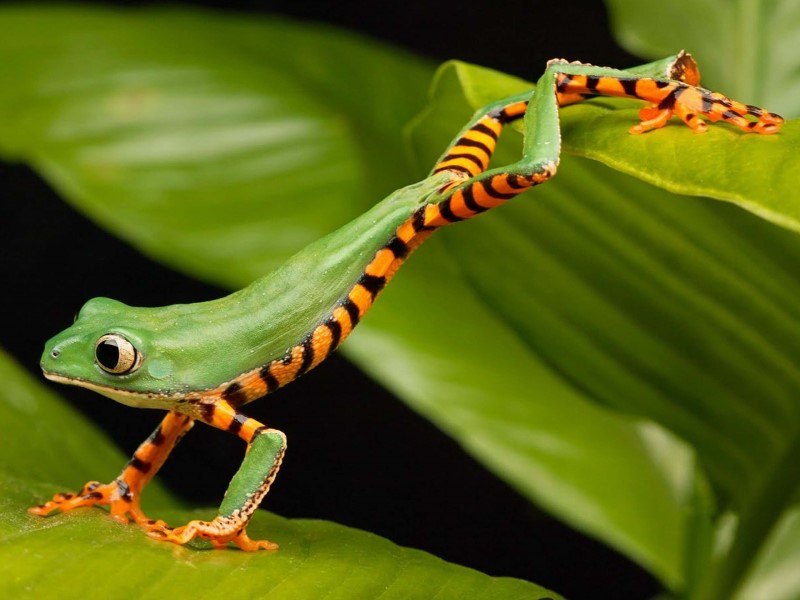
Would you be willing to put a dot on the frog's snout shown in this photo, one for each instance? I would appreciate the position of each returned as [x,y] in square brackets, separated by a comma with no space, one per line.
[49,356]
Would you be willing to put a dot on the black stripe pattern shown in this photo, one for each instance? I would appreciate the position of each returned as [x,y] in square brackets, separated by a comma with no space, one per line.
[234,395]
[236,423]
[269,379]
[372,283]
[139,464]
[307,348]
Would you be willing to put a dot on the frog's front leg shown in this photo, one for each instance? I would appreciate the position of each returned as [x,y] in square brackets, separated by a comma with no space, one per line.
[123,495]
[265,450]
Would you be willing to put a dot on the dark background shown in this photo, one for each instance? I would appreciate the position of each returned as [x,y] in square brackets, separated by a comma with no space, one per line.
[351,459]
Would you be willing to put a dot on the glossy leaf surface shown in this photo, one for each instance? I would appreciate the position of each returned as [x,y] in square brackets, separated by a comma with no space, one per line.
[750,48]
[131,111]
[669,307]
[50,447]
[509,332]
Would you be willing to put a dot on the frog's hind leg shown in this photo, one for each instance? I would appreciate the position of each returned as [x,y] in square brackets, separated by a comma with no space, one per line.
[474,187]
[669,94]
[123,494]
[469,153]
[668,85]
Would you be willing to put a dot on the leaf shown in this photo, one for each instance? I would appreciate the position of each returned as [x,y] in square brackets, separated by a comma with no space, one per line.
[316,558]
[39,430]
[47,445]
[106,110]
[745,49]
[505,331]
[445,353]
[131,111]
[673,308]
[775,575]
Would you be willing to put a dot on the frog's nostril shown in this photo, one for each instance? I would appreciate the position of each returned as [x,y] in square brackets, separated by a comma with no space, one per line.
[55,353]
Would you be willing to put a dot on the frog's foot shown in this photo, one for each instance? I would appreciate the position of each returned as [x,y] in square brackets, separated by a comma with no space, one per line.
[219,532]
[691,104]
[116,495]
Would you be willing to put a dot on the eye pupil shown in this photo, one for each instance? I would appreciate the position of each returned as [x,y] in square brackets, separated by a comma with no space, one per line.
[116,355]
[107,354]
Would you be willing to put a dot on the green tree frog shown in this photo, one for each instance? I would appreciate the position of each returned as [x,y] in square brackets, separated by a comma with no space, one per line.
[205,361]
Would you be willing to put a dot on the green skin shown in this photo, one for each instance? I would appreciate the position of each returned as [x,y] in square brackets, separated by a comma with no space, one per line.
[191,348]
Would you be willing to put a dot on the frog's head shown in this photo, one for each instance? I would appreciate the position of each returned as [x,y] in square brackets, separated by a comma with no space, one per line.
[106,350]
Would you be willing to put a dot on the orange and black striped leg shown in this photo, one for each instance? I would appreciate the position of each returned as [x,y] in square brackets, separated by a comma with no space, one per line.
[469,154]
[482,193]
[681,67]
[667,97]
[265,450]
[476,190]
[123,494]
[472,189]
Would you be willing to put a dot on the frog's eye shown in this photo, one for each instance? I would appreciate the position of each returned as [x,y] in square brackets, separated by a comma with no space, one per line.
[116,355]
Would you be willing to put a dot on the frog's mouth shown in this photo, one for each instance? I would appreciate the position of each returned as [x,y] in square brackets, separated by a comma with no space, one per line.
[127,397]
[55,377]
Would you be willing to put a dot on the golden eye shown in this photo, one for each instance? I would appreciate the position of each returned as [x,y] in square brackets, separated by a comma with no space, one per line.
[116,355]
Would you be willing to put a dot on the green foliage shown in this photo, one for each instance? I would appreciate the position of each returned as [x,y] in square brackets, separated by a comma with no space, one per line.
[129,112]
[46,445]
[660,305]
[747,50]
[569,341]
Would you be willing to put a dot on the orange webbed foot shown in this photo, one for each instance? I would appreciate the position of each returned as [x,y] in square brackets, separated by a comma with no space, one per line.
[694,104]
[123,505]
[220,532]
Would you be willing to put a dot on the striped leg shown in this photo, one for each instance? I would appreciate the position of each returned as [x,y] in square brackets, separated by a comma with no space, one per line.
[123,494]
[668,85]
[265,450]
[474,189]
[681,67]
[675,92]
[469,154]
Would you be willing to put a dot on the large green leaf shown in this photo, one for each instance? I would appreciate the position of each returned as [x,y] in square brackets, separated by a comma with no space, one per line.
[143,116]
[664,306]
[775,576]
[626,483]
[503,331]
[129,111]
[748,48]
[46,446]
